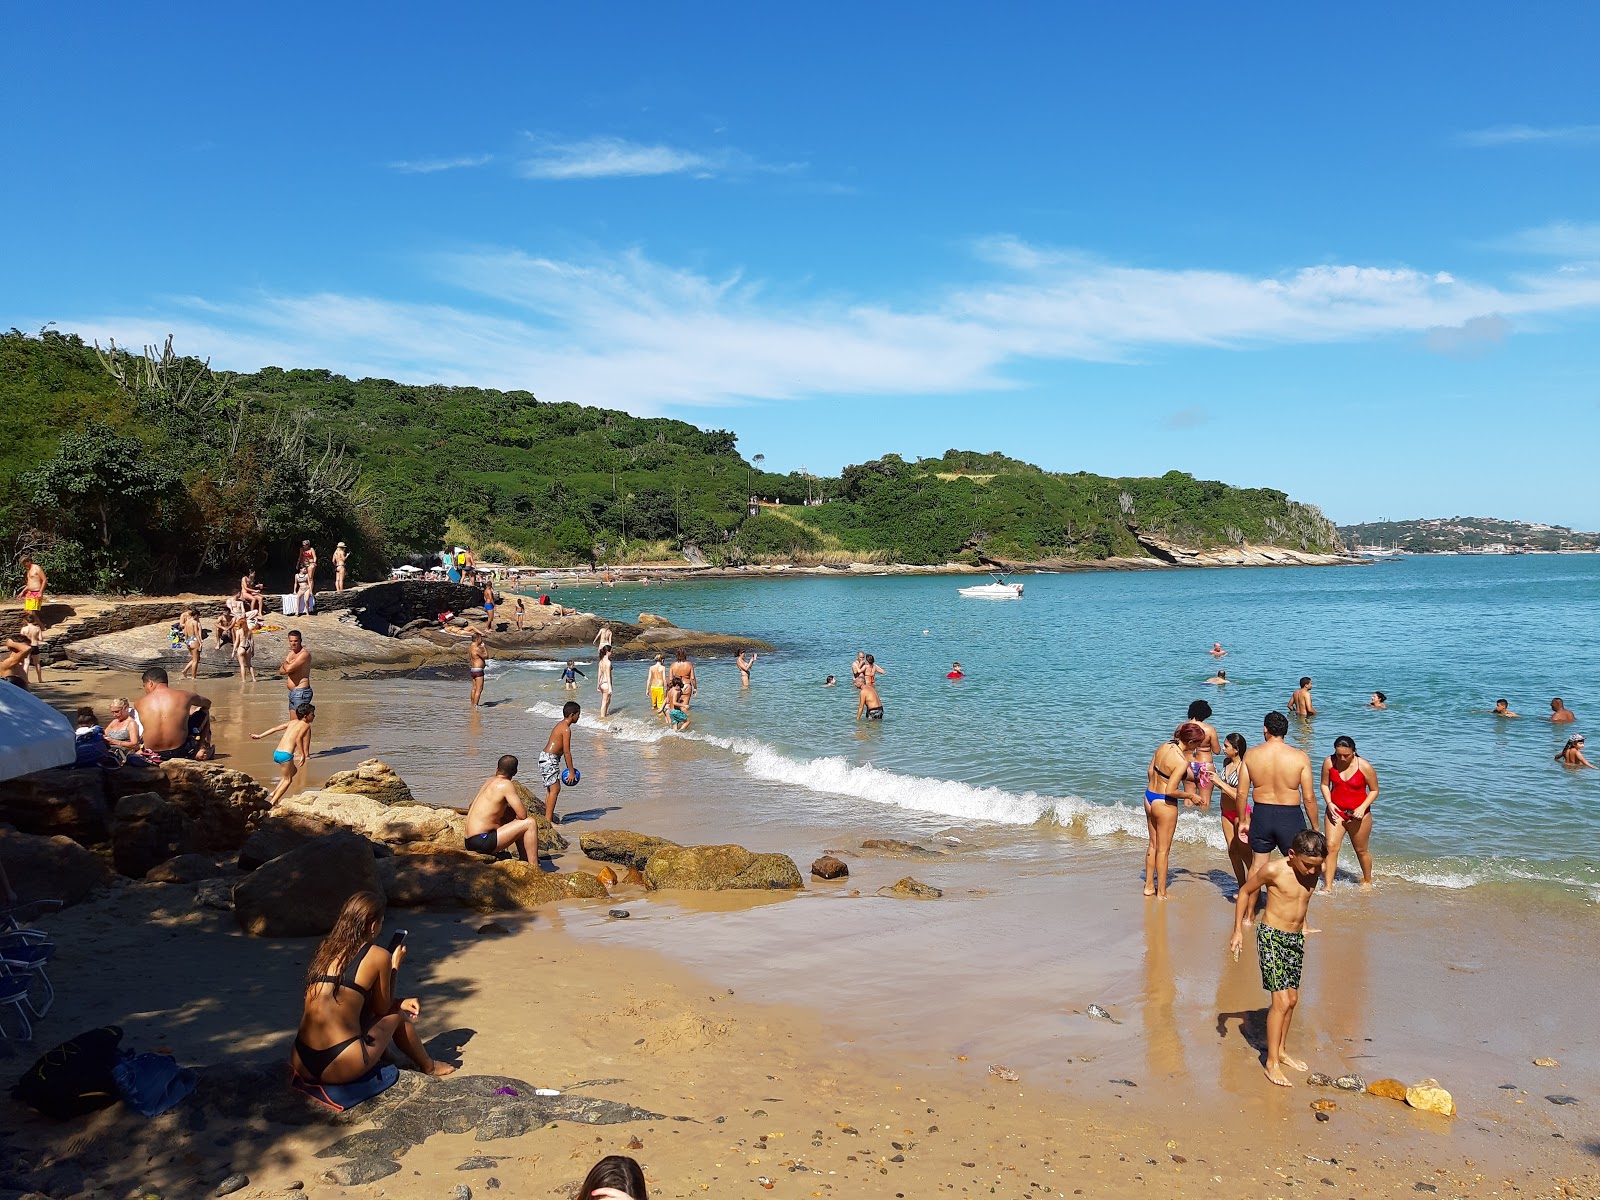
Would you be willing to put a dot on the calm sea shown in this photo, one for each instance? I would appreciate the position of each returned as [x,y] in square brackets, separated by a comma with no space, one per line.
[1069,690]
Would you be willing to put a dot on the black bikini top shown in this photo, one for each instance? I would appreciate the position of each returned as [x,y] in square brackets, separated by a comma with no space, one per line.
[347,977]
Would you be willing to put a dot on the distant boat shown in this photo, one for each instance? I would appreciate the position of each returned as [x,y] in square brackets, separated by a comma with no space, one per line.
[1379,552]
[998,590]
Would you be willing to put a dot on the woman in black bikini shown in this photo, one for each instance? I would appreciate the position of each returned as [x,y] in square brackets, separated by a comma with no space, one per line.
[351,1015]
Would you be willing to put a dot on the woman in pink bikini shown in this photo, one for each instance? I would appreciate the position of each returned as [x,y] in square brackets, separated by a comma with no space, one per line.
[1349,787]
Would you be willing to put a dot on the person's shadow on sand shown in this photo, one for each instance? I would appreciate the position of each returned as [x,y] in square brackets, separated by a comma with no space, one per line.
[447,1046]
[332,751]
[1252,1026]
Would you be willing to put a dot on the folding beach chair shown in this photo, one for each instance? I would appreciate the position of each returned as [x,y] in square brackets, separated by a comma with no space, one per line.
[11,922]
[14,994]
[23,959]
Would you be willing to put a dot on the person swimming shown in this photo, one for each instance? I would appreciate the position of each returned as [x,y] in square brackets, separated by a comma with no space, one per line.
[1572,753]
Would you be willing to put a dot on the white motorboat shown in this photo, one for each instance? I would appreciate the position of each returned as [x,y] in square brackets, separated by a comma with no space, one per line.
[998,590]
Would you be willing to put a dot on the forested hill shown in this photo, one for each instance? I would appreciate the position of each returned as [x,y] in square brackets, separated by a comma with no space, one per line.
[1458,534]
[128,472]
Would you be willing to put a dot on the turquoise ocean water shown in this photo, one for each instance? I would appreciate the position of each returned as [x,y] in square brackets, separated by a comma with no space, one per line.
[1070,689]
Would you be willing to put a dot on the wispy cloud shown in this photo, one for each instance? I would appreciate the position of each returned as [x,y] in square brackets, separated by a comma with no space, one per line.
[1513,135]
[612,157]
[1559,239]
[631,332]
[427,166]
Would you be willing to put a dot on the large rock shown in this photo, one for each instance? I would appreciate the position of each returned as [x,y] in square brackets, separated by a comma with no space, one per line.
[458,879]
[50,868]
[651,621]
[64,802]
[280,833]
[299,894]
[220,803]
[381,822]
[148,830]
[1430,1097]
[829,867]
[186,868]
[621,846]
[719,868]
[372,778]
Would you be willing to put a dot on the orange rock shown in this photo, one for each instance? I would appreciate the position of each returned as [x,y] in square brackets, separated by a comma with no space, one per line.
[1325,1106]
[1428,1096]
[1389,1089]
[608,877]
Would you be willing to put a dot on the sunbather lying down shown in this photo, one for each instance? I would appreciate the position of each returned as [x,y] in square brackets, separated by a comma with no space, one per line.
[351,1016]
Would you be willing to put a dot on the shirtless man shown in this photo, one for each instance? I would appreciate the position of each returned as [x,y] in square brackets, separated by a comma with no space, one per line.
[34,582]
[176,724]
[14,661]
[655,684]
[1220,679]
[192,634]
[1502,708]
[744,669]
[497,817]
[32,632]
[296,671]
[558,747]
[683,672]
[1560,714]
[293,747]
[602,673]
[1217,651]
[477,664]
[1285,794]
[340,557]
[870,705]
[1281,936]
[1300,703]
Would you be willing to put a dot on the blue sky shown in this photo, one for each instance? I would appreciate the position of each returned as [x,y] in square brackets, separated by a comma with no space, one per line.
[1352,254]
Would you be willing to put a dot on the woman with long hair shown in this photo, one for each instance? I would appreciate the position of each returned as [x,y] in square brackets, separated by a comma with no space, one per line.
[1349,787]
[351,1016]
[614,1177]
[1233,748]
[1169,783]
[1572,753]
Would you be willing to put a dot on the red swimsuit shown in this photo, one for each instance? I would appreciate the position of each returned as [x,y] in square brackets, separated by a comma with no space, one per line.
[1347,794]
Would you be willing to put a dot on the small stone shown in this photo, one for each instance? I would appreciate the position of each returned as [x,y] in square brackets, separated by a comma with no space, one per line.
[912,889]
[898,1158]
[1324,1117]
[1389,1089]
[1100,1014]
[1319,1079]
[760,1112]
[1562,1099]
[493,929]
[1423,1187]
[619,913]
[1508,1087]
[481,1162]
[1350,1083]
[463,1192]
[1005,1073]
[1125,1082]
[1325,1106]
[1428,1096]
[829,867]
[608,877]
[635,1144]
[491,1183]
[1546,1062]
[232,1184]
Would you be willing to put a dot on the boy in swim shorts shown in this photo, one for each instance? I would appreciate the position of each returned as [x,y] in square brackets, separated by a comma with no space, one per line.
[557,747]
[294,746]
[676,710]
[1289,883]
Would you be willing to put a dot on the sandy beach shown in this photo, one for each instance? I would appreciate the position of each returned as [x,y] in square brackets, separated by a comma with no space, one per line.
[839,1043]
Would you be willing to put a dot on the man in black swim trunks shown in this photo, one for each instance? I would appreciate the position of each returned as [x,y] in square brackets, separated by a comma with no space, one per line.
[497,817]
[1285,795]
[176,724]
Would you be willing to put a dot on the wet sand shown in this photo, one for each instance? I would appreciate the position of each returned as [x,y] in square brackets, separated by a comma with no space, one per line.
[854,1010]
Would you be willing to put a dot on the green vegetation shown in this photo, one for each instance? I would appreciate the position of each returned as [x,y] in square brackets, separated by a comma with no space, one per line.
[129,472]
[1464,534]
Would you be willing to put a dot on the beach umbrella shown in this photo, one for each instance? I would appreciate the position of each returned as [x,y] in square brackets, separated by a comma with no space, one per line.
[33,735]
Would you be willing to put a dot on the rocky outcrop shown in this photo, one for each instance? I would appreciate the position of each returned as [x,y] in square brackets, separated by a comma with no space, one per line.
[406,821]
[63,801]
[1243,555]
[912,889]
[219,802]
[895,848]
[719,868]
[651,621]
[458,879]
[829,867]
[148,831]
[371,778]
[51,868]
[299,894]
[281,832]
[621,846]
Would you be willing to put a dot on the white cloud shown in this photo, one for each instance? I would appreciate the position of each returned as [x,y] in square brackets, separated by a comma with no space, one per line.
[1514,135]
[427,166]
[611,157]
[1560,239]
[630,332]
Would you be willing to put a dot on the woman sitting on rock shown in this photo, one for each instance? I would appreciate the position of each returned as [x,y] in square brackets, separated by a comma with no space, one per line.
[351,1015]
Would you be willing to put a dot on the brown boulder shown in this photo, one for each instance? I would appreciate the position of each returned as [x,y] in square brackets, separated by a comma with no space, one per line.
[147,831]
[651,621]
[621,846]
[372,778]
[280,833]
[912,889]
[1389,1089]
[220,803]
[719,868]
[299,894]
[185,868]
[550,840]
[462,880]
[899,849]
[828,867]
[50,868]
[62,801]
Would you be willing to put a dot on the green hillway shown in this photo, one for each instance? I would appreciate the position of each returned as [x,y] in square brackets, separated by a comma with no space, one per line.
[123,472]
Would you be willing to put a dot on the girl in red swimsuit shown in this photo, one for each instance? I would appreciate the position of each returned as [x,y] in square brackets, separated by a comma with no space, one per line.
[1349,787]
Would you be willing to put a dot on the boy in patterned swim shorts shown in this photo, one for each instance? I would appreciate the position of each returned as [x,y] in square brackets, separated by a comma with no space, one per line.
[1290,882]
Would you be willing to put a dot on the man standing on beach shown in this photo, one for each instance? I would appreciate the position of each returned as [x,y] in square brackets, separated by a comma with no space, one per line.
[340,557]
[176,724]
[1285,795]
[477,664]
[296,672]
[1281,936]
[558,746]
[497,817]
[1560,714]
[34,582]
[1300,703]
